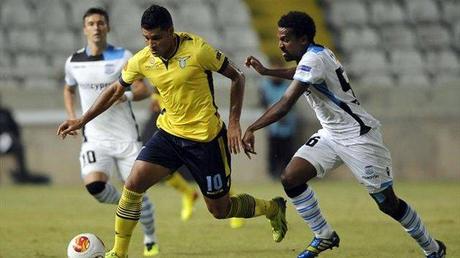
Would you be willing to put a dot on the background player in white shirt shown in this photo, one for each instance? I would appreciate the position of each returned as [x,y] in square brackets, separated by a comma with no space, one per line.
[111,139]
[349,136]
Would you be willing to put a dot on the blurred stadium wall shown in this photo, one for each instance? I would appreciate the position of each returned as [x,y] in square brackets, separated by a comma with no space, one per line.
[402,57]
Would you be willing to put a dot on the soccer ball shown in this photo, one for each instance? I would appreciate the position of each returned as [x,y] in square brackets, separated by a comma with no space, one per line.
[86,245]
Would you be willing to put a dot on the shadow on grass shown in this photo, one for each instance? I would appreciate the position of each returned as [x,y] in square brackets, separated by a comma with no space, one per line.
[253,252]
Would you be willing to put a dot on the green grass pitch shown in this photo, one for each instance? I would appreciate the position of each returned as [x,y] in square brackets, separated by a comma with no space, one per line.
[38,222]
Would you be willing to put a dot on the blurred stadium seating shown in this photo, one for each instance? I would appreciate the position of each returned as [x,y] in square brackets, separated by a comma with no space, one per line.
[38,36]
[395,39]
[399,42]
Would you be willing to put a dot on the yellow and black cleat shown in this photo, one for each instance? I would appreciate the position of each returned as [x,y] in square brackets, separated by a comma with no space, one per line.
[151,249]
[278,222]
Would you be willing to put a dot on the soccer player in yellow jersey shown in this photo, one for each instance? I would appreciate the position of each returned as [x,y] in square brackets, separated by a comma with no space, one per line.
[192,133]
[191,195]
[106,146]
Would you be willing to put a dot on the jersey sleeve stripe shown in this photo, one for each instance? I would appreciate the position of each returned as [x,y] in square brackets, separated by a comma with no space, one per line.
[123,83]
[224,65]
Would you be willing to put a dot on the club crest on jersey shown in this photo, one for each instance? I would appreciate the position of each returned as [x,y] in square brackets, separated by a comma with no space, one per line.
[109,68]
[182,61]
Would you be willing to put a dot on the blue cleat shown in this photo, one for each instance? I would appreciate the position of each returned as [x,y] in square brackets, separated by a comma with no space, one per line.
[318,245]
[441,253]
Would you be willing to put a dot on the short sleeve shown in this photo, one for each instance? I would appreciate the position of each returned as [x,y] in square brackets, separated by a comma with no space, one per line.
[310,70]
[210,58]
[131,72]
[68,77]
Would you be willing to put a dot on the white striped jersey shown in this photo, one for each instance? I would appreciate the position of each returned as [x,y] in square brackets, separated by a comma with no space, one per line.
[330,95]
[92,74]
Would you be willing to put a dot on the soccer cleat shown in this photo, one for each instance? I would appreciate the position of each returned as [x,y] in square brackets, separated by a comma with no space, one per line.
[441,253]
[112,254]
[236,222]
[318,245]
[188,201]
[151,249]
[278,222]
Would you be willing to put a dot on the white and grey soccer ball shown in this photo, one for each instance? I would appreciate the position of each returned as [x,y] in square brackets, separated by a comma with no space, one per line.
[86,245]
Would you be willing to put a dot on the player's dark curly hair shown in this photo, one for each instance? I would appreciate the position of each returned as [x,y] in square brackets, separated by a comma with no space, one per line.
[96,10]
[300,23]
[156,17]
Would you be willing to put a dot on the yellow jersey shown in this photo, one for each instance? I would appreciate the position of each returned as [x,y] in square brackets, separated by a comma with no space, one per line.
[185,85]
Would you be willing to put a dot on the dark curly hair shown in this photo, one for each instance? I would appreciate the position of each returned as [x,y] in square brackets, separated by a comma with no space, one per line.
[156,17]
[300,23]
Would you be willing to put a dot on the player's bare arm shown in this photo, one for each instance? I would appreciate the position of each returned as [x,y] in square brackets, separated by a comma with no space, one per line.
[273,114]
[69,101]
[236,103]
[108,96]
[285,73]
[139,91]
[155,101]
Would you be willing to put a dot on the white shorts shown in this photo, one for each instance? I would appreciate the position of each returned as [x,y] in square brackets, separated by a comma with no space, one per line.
[366,156]
[103,156]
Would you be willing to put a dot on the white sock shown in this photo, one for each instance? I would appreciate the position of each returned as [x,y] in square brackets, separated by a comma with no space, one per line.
[415,227]
[147,220]
[109,195]
[308,208]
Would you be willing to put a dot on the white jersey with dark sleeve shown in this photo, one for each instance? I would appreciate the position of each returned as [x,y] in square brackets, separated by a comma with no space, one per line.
[92,74]
[331,96]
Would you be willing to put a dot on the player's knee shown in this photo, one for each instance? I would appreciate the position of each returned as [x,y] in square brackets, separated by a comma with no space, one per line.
[96,188]
[218,213]
[133,183]
[297,173]
[393,209]
[288,180]
[390,205]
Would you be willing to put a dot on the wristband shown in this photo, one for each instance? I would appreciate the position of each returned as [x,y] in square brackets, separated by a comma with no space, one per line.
[129,95]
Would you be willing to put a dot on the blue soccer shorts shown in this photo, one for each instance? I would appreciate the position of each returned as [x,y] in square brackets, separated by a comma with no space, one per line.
[208,162]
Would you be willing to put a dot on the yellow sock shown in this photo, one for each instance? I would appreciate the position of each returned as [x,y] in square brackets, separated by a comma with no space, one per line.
[128,213]
[180,184]
[264,207]
[241,206]
[246,206]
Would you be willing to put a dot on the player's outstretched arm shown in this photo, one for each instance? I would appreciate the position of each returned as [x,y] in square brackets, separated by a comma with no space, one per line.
[284,73]
[139,91]
[273,114]
[155,105]
[106,99]
[236,103]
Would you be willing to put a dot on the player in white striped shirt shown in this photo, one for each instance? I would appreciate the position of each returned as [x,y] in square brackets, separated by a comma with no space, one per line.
[349,136]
